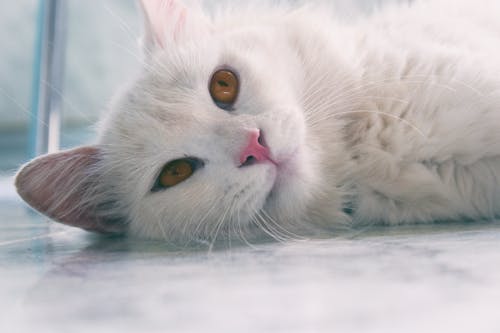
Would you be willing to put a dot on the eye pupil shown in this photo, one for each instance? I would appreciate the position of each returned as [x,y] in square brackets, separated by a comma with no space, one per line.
[182,169]
[223,84]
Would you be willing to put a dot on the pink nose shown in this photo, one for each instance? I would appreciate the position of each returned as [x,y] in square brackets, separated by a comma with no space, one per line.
[255,150]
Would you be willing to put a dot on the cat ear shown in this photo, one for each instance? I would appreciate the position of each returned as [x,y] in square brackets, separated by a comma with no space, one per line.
[63,187]
[170,21]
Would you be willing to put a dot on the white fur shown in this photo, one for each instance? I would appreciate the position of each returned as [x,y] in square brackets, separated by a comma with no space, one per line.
[396,116]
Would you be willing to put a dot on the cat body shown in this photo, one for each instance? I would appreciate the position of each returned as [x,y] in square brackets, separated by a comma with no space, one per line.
[427,147]
[391,119]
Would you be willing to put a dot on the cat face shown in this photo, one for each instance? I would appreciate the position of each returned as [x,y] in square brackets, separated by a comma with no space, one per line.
[169,114]
[177,163]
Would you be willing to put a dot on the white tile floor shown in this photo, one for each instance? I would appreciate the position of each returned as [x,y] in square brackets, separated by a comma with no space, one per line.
[442,278]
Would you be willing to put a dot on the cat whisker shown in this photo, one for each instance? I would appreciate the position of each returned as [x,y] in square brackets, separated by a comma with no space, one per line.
[419,131]
[289,235]
[239,230]
[141,60]
[283,236]
[268,229]
[121,22]
[21,107]
[259,226]
[362,89]
[126,28]
[196,235]
[64,99]
[410,79]
[294,236]
[218,226]
[132,53]
[356,232]
[326,105]
[66,102]
[160,226]
[319,89]
[241,234]
[201,220]
[23,240]
[234,223]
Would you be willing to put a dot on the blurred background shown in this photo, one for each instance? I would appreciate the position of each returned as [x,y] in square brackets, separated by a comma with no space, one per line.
[100,53]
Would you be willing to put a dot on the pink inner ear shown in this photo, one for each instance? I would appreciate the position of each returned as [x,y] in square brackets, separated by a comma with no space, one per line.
[162,16]
[58,186]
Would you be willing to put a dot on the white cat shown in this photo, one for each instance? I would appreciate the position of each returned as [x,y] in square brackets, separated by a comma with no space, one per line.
[275,120]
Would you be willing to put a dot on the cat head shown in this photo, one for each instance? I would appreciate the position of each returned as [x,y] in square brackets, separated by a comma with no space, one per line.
[210,139]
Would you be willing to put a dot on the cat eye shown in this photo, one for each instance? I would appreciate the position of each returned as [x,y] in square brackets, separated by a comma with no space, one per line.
[224,88]
[176,172]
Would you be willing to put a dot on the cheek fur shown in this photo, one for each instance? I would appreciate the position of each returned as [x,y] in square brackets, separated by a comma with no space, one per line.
[206,207]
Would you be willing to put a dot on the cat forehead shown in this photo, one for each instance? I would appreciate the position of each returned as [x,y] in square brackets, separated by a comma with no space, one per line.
[159,111]
[223,46]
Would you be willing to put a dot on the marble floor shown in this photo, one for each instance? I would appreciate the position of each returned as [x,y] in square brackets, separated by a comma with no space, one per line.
[440,278]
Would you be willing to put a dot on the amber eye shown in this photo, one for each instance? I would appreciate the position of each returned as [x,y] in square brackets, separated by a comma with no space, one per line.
[224,87]
[176,172]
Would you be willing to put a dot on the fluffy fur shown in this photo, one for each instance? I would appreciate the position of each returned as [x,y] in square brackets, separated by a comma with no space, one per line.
[393,119]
